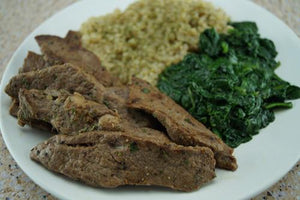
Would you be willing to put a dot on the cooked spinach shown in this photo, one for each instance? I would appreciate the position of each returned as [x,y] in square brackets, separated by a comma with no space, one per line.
[230,84]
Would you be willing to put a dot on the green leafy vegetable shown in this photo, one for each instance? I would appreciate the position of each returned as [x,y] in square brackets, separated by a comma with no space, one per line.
[230,84]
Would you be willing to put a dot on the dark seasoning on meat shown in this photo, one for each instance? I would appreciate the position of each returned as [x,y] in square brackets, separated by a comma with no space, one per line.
[110,134]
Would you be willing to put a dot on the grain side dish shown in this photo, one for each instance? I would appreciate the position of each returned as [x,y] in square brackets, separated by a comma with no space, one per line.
[149,35]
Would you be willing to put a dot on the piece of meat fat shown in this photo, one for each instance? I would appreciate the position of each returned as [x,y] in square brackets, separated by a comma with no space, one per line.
[112,159]
[67,113]
[59,50]
[181,127]
[66,76]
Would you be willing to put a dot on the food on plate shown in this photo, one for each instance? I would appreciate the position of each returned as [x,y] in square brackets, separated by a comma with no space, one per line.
[74,79]
[67,113]
[73,39]
[72,113]
[72,52]
[113,128]
[230,84]
[14,107]
[66,76]
[57,50]
[149,35]
[69,100]
[112,133]
[115,98]
[33,62]
[135,157]
[180,126]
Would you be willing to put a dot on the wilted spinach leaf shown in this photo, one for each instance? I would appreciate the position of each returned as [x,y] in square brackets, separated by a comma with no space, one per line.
[230,84]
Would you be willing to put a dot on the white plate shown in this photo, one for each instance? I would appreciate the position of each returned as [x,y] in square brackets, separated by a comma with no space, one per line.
[262,161]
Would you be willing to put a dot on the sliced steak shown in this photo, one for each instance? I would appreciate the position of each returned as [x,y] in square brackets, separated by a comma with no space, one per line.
[65,76]
[181,127]
[14,107]
[116,98]
[73,38]
[71,114]
[67,113]
[33,62]
[73,79]
[13,110]
[111,159]
[66,50]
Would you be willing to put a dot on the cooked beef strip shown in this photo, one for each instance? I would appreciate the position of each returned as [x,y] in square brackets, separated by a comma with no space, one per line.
[181,127]
[13,110]
[67,113]
[65,76]
[73,79]
[73,38]
[116,98]
[14,107]
[66,50]
[70,114]
[111,159]
[33,62]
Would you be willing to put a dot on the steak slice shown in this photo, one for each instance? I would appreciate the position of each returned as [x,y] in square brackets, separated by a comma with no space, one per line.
[67,113]
[111,159]
[116,98]
[66,50]
[65,76]
[70,114]
[73,79]
[33,62]
[181,127]
[13,110]
[14,107]
[73,38]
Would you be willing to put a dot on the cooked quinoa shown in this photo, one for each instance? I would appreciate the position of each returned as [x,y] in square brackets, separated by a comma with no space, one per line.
[149,35]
